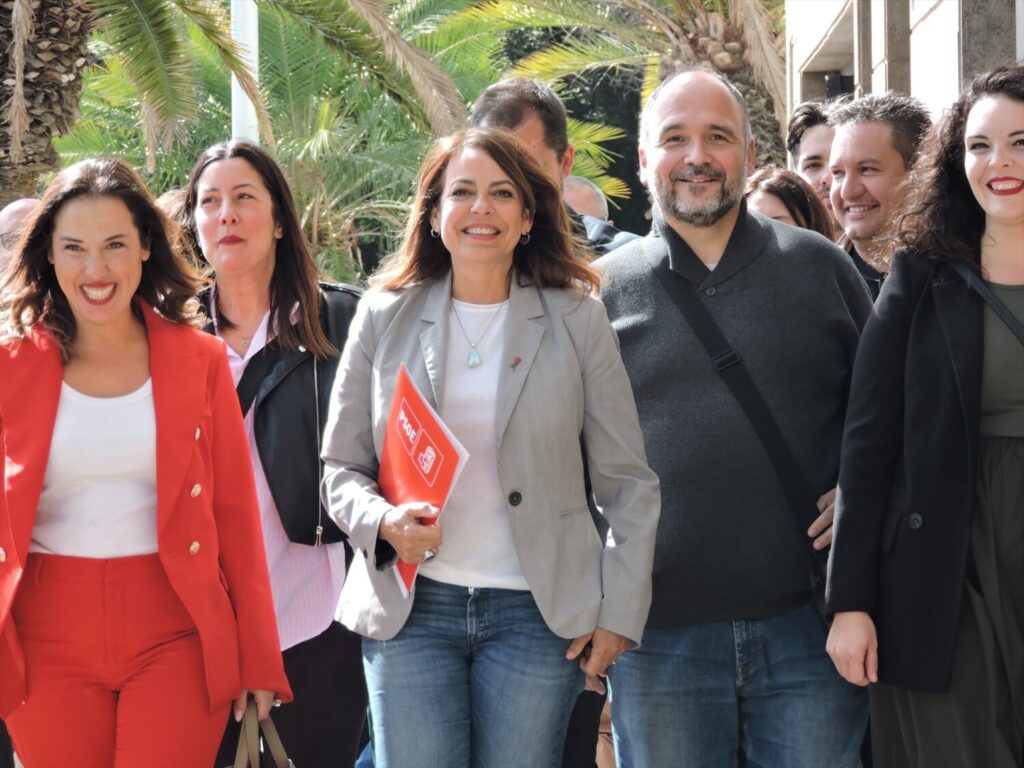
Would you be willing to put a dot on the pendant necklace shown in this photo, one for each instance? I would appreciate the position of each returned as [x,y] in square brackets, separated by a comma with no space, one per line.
[473,359]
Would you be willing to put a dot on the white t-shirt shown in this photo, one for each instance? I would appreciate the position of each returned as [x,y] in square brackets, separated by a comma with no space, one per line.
[99,491]
[477,548]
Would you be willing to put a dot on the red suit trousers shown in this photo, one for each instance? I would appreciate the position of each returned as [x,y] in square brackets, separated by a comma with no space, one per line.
[114,668]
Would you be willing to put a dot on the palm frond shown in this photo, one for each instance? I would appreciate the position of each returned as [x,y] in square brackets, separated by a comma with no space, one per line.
[210,19]
[768,65]
[348,34]
[416,17]
[147,36]
[441,99]
[590,138]
[506,15]
[612,187]
[575,56]
[652,76]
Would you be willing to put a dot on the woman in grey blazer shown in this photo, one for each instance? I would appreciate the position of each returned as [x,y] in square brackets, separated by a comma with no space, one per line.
[518,597]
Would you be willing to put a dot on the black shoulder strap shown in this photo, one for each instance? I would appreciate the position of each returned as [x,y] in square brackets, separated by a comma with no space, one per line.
[989,296]
[255,371]
[728,364]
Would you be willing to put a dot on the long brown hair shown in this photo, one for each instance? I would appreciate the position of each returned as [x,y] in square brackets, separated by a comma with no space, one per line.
[296,278]
[796,195]
[553,257]
[941,218]
[170,280]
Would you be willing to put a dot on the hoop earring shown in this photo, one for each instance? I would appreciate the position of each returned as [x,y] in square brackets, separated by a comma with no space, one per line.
[434,233]
[525,238]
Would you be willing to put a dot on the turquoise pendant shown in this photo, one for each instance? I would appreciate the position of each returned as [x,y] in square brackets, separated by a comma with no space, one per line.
[473,358]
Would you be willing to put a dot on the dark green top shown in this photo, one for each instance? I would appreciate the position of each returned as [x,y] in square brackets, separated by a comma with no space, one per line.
[1002,375]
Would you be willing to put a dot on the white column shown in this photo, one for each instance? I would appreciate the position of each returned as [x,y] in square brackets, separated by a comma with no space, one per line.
[1020,30]
[245,30]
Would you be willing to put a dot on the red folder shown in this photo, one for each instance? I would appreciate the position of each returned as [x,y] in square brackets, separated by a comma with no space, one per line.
[421,458]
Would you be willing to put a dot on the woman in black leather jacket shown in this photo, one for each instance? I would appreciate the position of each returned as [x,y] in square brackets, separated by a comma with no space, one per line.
[284,329]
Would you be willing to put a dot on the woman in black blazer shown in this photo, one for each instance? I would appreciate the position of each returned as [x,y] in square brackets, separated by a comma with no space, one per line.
[926,576]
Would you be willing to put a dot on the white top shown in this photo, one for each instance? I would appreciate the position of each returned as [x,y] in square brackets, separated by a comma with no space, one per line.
[99,490]
[306,581]
[477,549]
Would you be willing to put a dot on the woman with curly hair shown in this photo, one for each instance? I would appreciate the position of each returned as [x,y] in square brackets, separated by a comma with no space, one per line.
[927,565]
[134,600]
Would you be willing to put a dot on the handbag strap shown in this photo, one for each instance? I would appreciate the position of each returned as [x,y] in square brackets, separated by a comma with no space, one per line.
[247,755]
[730,366]
[989,296]
[273,742]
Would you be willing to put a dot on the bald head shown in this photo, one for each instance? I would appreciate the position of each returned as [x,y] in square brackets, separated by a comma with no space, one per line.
[584,196]
[690,80]
[12,219]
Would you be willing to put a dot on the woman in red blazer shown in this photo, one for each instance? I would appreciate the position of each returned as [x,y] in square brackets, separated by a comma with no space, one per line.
[134,599]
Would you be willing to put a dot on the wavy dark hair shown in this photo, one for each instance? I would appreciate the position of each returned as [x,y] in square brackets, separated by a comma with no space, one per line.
[295,280]
[941,218]
[796,194]
[170,278]
[553,258]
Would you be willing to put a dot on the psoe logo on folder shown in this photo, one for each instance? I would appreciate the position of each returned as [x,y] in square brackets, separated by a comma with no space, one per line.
[428,458]
[408,427]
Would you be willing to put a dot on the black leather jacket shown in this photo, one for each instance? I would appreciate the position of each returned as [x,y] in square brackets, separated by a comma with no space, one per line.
[285,421]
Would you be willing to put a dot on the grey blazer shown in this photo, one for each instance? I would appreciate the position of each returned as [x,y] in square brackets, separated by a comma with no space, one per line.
[569,382]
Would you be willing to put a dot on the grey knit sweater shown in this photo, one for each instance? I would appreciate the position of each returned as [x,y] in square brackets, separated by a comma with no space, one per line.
[792,304]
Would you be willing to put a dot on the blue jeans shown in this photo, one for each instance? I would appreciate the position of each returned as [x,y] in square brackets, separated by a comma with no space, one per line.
[729,693]
[475,679]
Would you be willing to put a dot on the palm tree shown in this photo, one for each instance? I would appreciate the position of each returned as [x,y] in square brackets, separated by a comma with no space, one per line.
[350,148]
[48,43]
[350,152]
[738,38]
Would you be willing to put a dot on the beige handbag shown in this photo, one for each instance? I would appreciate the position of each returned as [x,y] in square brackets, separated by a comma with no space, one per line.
[248,753]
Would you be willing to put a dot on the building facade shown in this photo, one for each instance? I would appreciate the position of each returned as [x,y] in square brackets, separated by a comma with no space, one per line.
[927,48]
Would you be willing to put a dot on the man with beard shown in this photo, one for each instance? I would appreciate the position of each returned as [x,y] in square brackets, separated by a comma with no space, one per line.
[732,662]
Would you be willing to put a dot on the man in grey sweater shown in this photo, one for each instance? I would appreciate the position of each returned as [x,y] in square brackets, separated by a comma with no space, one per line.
[733,657]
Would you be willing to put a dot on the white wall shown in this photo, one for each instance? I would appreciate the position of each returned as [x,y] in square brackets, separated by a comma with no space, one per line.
[935,53]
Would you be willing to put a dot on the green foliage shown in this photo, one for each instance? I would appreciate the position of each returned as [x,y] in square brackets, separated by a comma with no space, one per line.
[351,123]
[348,147]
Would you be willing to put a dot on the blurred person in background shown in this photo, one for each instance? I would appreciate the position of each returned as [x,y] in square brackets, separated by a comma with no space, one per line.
[12,219]
[874,147]
[809,141]
[784,196]
[585,197]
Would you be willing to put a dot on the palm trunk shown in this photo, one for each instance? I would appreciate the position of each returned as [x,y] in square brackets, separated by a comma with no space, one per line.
[40,86]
